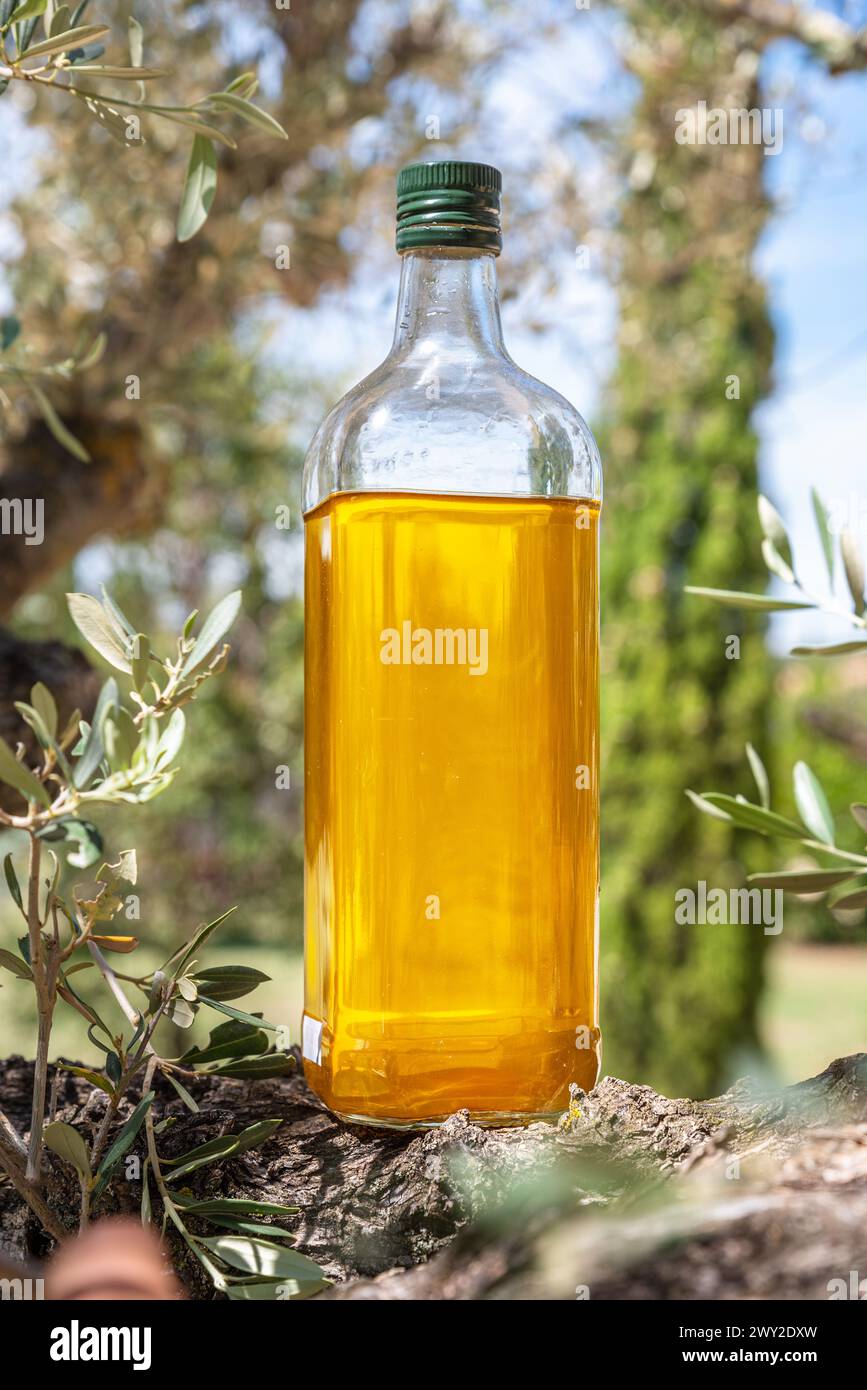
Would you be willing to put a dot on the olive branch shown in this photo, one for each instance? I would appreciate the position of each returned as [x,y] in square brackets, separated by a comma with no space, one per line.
[840,874]
[127,753]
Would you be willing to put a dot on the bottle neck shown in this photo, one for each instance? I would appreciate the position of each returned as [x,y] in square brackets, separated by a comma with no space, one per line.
[448,302]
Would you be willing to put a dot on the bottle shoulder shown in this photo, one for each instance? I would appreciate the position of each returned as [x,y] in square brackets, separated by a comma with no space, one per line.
[453,423]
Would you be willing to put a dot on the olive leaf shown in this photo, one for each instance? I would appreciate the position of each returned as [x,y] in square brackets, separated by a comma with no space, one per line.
[123,1142]
[230,101]
[229,981]
[216,625]
[812,803]
[761,603]
[854,569]
[20,777]
[68,1144]
[43,702]
[12,882]
[200,187]
[97,628]
[750,817]
[760,775]
[94,749]
[803,881]
[15,965]
[60,41]
[823,526]
[262,1257]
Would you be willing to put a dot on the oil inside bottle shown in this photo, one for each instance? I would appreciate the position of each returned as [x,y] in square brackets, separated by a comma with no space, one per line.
[451,804]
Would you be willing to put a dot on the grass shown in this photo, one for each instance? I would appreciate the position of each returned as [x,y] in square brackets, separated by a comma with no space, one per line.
[815,1007]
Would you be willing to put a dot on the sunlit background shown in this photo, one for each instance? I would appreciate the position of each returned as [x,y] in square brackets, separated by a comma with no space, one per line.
[635,283]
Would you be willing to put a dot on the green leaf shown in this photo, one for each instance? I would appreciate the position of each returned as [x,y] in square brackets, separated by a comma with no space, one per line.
[760,776]
[701,804]
[43,702]
[124,629]
[28,9]
[215,1149]
[251,1228]
[16,965]
[236,1013]
[59,19]
[16,775]
[12,882]
[96,628]
[60,42]
[775,562]
[56,425]
[854,567]
[108,117]
[35,721]
[812,803]
[170,740]
[256,1068]
[230,101]
[146,1209]
[9,330]
[229,981]
[262,1257]
[94,1077]
[121,74]
[820,512]
[774,530]
[838,649]
[212,1152]
[94,748]
[851,900]
[215,626]
[803,881]
[183,1093]
[275,1290]
[68,1144]
[232,1206]
[136,42]
[186,952]
[751,817]
[758,602]
[247,1042]
[199,188]
[123,1142]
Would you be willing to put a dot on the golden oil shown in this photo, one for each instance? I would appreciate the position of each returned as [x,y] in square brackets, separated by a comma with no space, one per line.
[451,804]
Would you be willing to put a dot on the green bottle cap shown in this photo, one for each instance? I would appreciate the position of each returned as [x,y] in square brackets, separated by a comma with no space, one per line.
[449,203]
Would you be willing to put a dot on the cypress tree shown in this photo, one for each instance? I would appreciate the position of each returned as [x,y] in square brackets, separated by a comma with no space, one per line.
[679,698]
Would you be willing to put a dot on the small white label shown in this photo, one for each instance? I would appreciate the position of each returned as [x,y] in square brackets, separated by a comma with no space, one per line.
[311,1040]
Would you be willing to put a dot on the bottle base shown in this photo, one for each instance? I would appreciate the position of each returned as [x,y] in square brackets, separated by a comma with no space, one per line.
[484,1119]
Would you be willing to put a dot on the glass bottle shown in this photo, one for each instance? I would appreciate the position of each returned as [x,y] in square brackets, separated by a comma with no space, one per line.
[451,706]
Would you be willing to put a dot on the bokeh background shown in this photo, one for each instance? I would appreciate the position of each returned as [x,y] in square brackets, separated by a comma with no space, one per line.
[638,276]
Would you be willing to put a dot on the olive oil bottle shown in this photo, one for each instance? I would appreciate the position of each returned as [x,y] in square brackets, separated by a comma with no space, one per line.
[451,706]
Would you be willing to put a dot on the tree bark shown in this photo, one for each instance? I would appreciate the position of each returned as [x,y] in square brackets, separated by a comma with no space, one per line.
[633,1196]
